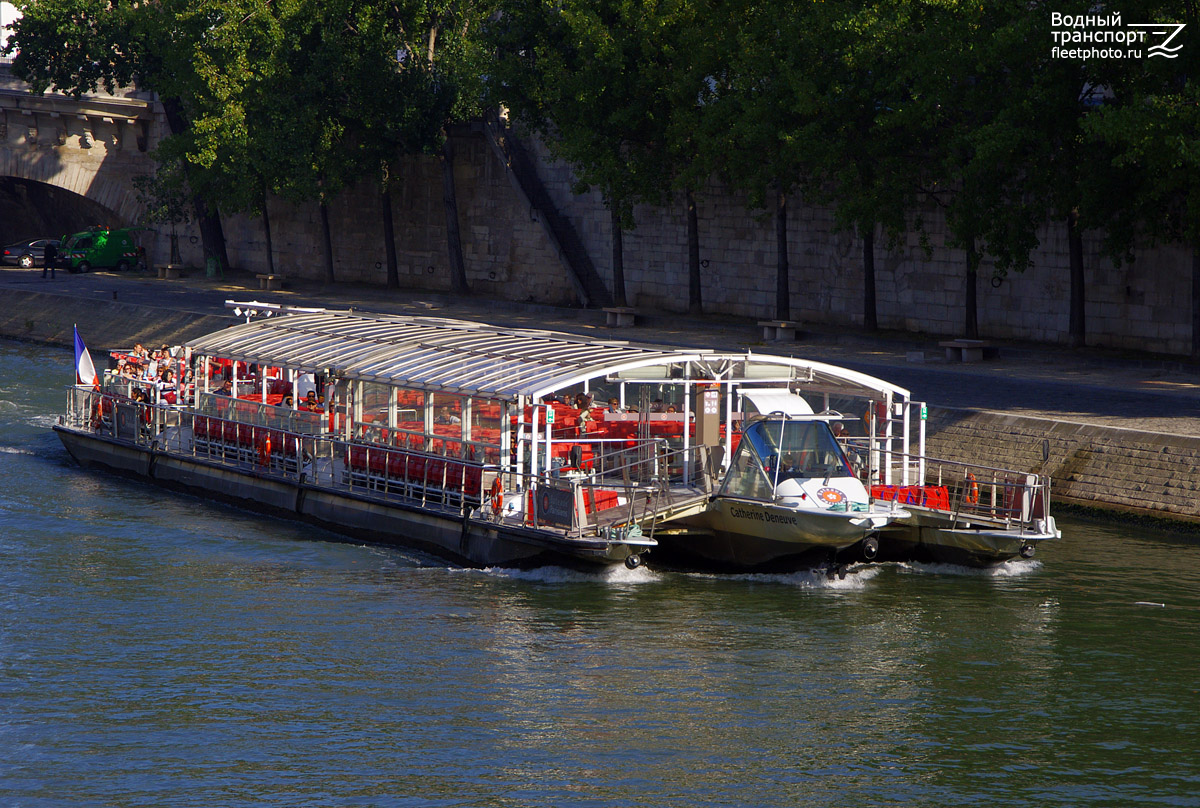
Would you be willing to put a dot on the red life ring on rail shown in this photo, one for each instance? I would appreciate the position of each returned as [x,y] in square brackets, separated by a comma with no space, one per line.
[264,452]
[497,495]
[972,490]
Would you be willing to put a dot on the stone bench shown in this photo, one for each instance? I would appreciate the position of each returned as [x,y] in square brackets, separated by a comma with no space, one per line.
[969,350]
[270,282]
[620,317]
[779,330]
[169,272]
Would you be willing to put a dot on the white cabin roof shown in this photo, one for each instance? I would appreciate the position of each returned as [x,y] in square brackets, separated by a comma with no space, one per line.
[471,358]
[774,399]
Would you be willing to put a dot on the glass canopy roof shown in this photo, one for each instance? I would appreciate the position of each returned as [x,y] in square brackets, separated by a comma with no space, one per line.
[485,360]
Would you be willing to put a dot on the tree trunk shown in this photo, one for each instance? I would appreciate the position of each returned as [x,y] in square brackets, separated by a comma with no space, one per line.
[695,296]
[971,324]
[458,272]
[212,235]
[783,296]
[266,220]
[618,258]
[870,316]
[1077,331]
[326,242]
[389,236]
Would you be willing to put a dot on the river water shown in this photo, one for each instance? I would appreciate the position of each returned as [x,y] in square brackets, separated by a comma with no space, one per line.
[156,649]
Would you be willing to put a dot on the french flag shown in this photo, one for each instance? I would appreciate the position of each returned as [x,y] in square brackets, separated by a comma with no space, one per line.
[85,371]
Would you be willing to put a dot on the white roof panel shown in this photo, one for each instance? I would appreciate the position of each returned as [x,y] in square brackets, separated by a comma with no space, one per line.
[429,353]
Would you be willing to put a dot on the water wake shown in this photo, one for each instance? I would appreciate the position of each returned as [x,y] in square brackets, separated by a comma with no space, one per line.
[616,574]
[1009,569]
[856,577]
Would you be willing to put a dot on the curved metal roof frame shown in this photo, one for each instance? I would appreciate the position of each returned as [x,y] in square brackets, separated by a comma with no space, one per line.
[853,381]
[474,358]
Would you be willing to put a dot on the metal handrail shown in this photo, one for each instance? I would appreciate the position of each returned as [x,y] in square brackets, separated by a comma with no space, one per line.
[976,490]
[263,442]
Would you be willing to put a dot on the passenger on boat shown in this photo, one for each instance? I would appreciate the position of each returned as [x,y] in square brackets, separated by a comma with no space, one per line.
[672,408]
[311,402]
[583,403]
[288,402]
[614,406]
[656,405]
[446,417]
[166,386]
[226,388]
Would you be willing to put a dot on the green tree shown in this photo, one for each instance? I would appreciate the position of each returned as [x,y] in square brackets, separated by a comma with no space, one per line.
[760,102]
[1151,125]
[76,46]
[586,76]
[866,140]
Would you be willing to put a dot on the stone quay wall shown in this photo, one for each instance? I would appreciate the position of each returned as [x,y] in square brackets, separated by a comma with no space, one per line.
[1141,306]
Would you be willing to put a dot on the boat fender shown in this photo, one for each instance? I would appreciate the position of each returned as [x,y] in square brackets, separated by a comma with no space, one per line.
[870,548]
[497,495]
[264,452]
[633,561]
[972,490]
[1027,550]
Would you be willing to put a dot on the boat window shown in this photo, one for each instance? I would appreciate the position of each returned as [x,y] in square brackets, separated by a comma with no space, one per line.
[410,419]
[485,429]
[746,477]
[447,424]
[797,448]
[375,398]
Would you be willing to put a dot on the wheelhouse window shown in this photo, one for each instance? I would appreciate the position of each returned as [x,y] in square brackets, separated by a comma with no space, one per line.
[772,450]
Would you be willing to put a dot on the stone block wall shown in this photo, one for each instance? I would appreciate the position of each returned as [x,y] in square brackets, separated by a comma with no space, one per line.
[1141,305]
[505,249]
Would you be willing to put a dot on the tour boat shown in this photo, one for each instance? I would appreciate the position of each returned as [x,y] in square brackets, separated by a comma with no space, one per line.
[493,446]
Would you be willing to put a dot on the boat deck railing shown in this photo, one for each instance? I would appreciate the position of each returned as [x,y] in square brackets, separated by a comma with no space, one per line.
[964,490]
[628,485]
[626,488]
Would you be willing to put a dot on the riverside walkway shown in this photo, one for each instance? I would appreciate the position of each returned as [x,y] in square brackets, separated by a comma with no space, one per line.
[1086,386]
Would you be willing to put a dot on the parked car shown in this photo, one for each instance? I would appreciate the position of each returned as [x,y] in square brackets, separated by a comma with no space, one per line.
[27,253]
[100,248]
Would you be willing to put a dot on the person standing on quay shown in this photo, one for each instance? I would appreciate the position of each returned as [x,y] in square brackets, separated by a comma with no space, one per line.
[49,259]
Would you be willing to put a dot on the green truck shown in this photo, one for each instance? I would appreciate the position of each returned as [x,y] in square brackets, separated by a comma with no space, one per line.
[83,252]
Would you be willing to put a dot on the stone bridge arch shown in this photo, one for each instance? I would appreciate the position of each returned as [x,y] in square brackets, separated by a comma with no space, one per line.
[91,147]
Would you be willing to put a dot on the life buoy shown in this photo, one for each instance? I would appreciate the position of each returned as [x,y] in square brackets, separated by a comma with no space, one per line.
[497,495]
[972,490]
[264,452]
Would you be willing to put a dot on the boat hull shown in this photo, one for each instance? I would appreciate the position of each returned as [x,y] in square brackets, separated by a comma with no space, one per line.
[932,536]
[734,534]
[462,539]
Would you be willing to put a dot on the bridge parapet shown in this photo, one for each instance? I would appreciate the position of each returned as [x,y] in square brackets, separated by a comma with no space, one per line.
[126,118]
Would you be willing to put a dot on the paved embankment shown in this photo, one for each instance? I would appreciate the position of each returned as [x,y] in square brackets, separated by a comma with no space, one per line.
[1122,432]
